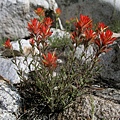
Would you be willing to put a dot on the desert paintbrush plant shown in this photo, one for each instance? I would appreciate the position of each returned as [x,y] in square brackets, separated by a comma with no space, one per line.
[54,85]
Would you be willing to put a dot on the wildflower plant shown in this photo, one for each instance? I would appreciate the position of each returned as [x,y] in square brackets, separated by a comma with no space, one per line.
[55,85]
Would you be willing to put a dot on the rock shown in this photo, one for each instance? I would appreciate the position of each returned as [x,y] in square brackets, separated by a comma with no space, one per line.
[58,33]
[8,69]
[99,10]
[9,101]
[110,62]
[88,54]
[111,94]
[114,3]
[48,4]
[53,4]
[91,107]
[41,3]
[116,35]
[13,18]
[20,44]
[14,15]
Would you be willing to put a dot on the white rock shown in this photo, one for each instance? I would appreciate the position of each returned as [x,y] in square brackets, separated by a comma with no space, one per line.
[23,1]
[114,3]
[15,14]
[12,1]
[53,5]
[87,55]
[116,35]
[57,33]
[9,102]
[23,43]
[42,3]
[8,69]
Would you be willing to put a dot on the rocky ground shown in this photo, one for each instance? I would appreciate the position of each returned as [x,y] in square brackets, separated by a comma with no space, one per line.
[9,100]
[99,103]
[92,107]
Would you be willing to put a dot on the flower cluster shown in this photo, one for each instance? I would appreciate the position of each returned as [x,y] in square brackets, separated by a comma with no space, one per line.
[40,31]
[104,40]
[84,34]
[50,60]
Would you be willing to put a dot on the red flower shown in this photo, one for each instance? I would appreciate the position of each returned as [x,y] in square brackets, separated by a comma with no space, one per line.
[89,35]
[44,32]
[7,44]
[74,36]
[84,22]
[58,11]
[32,41]
[48,21]
[106,37]
[34,26]
[50,60]
[40,12]
[101,27]
[105,40]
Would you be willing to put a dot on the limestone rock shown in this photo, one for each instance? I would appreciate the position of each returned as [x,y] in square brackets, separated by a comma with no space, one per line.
[13,18]
[53,4]
[91,107]
[41,3]
[57,33]
[8,69]
[14,15]
[9,101]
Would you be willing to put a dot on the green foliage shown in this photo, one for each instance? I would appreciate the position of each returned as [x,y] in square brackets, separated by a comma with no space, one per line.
[59,42]
[115,26]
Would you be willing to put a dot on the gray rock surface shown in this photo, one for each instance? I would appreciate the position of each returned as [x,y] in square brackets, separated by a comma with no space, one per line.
[111,66]
[9,70]
[91,107]
[108,94]
[9,101]
[98,10]
[14,15]
[13,18]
